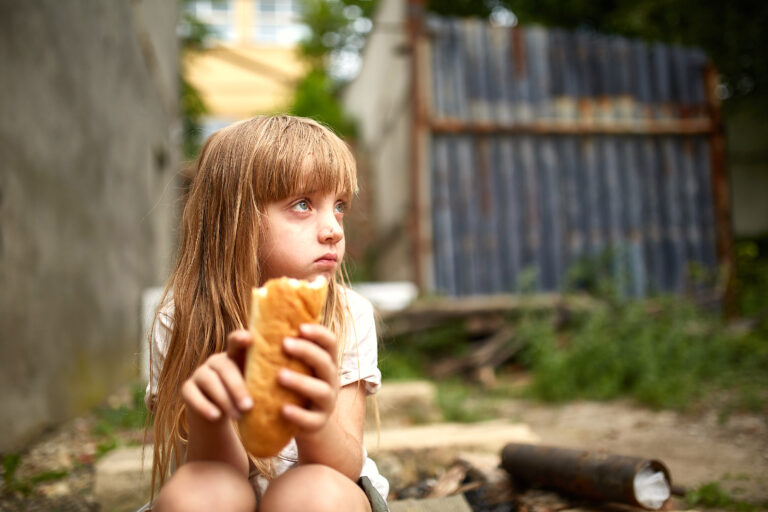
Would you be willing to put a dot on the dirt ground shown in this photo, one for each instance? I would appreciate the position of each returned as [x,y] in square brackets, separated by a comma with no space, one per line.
[697,448]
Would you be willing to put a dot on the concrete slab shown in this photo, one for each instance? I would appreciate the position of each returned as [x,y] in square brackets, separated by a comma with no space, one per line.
[491,436]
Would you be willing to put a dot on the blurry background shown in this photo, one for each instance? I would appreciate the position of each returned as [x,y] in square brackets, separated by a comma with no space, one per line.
[506,148]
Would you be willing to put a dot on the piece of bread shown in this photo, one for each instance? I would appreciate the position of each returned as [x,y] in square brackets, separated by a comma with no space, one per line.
[277,310]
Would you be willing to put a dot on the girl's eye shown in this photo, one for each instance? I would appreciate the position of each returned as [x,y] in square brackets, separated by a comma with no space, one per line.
[340,207]
[301,206]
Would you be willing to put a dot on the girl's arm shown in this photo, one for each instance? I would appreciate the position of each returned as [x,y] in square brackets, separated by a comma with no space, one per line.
[332,426]
[339,444]
[215,395]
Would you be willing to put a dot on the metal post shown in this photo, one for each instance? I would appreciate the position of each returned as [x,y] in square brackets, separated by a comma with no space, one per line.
[415,20]
[594,475]
[721,193]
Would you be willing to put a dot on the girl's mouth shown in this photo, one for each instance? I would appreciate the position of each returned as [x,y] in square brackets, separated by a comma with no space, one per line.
[330,257]
[327,260]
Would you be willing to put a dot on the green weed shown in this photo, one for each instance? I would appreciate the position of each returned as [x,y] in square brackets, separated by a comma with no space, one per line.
[113,419]
[664,353]
[711,495]
[751,275]
[409,356]
[11,464]
[13,484]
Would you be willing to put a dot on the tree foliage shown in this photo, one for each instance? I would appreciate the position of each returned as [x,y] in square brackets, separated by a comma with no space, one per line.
[335,27]
[314,97]
[193,35]
[336,35]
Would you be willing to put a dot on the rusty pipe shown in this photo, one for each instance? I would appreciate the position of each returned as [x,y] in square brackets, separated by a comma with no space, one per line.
[594,475]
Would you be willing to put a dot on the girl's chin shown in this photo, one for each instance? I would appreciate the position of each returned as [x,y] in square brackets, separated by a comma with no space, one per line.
[327,274]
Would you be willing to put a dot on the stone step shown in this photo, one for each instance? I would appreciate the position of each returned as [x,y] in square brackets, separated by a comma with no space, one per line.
[456,503]
[122,484]
[404,403]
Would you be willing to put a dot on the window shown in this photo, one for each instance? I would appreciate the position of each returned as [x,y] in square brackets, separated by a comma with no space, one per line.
[266,6]
[217,14]
[277,21]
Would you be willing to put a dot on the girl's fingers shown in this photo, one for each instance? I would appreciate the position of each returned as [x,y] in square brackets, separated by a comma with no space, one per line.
[233,381]
[198,402]
[320,335]
[237,343]
[306,420]
[210,384]
[319,393]
[314,356]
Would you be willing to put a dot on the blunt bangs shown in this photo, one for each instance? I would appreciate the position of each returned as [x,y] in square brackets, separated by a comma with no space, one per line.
[307,157]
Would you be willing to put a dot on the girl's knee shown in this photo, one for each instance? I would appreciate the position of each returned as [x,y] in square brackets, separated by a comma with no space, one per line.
[315,488]
[206,486]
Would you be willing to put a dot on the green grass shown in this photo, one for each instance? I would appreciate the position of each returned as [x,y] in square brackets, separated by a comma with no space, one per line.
[111,420]
[711,495]
[409,356]
[664,353]
[670,355]
[13,484]
[463,402]
[751,275]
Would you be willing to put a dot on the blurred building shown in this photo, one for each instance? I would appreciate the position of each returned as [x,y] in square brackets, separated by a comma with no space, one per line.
[250,64]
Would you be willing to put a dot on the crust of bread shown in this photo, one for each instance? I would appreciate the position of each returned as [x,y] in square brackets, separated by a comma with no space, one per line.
[277,310]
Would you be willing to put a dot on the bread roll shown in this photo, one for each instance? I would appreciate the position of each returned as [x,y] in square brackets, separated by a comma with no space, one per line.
[277,310]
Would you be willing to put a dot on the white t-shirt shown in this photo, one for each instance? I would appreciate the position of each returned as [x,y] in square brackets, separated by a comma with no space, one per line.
[359,363]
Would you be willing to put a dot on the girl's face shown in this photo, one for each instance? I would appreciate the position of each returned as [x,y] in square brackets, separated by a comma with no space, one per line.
[302,236]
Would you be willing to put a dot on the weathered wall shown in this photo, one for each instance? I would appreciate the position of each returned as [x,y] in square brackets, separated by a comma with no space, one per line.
[88,96]
[379,100]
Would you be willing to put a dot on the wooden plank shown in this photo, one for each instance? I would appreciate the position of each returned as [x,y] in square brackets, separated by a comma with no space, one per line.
[639,127]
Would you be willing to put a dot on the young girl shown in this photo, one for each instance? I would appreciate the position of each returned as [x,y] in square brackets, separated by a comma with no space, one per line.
[267,200]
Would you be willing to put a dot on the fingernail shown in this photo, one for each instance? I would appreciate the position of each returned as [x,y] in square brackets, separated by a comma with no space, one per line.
[285,376]
[246,403]
[289,343]
[215,414]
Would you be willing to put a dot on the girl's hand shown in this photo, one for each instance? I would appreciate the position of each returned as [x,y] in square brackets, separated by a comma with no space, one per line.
[317,348]
[217,387]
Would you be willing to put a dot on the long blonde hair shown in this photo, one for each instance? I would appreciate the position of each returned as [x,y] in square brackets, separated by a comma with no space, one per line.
[240,169]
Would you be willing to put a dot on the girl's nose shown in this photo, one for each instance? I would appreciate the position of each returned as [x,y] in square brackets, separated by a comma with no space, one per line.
[331,230]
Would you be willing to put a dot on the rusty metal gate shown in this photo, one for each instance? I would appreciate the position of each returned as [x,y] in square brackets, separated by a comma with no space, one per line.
[548,148]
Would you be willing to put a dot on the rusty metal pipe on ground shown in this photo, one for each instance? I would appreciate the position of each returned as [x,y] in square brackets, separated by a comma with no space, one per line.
[595,475]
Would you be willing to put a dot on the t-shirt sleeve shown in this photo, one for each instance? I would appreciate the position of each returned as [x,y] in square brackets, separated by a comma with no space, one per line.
[360,360]
[159,340]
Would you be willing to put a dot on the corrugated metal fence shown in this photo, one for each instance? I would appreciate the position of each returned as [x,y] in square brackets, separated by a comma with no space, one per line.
[550,148]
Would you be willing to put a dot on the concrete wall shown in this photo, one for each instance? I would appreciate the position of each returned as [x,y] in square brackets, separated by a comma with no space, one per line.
[379,100]
[88,138]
